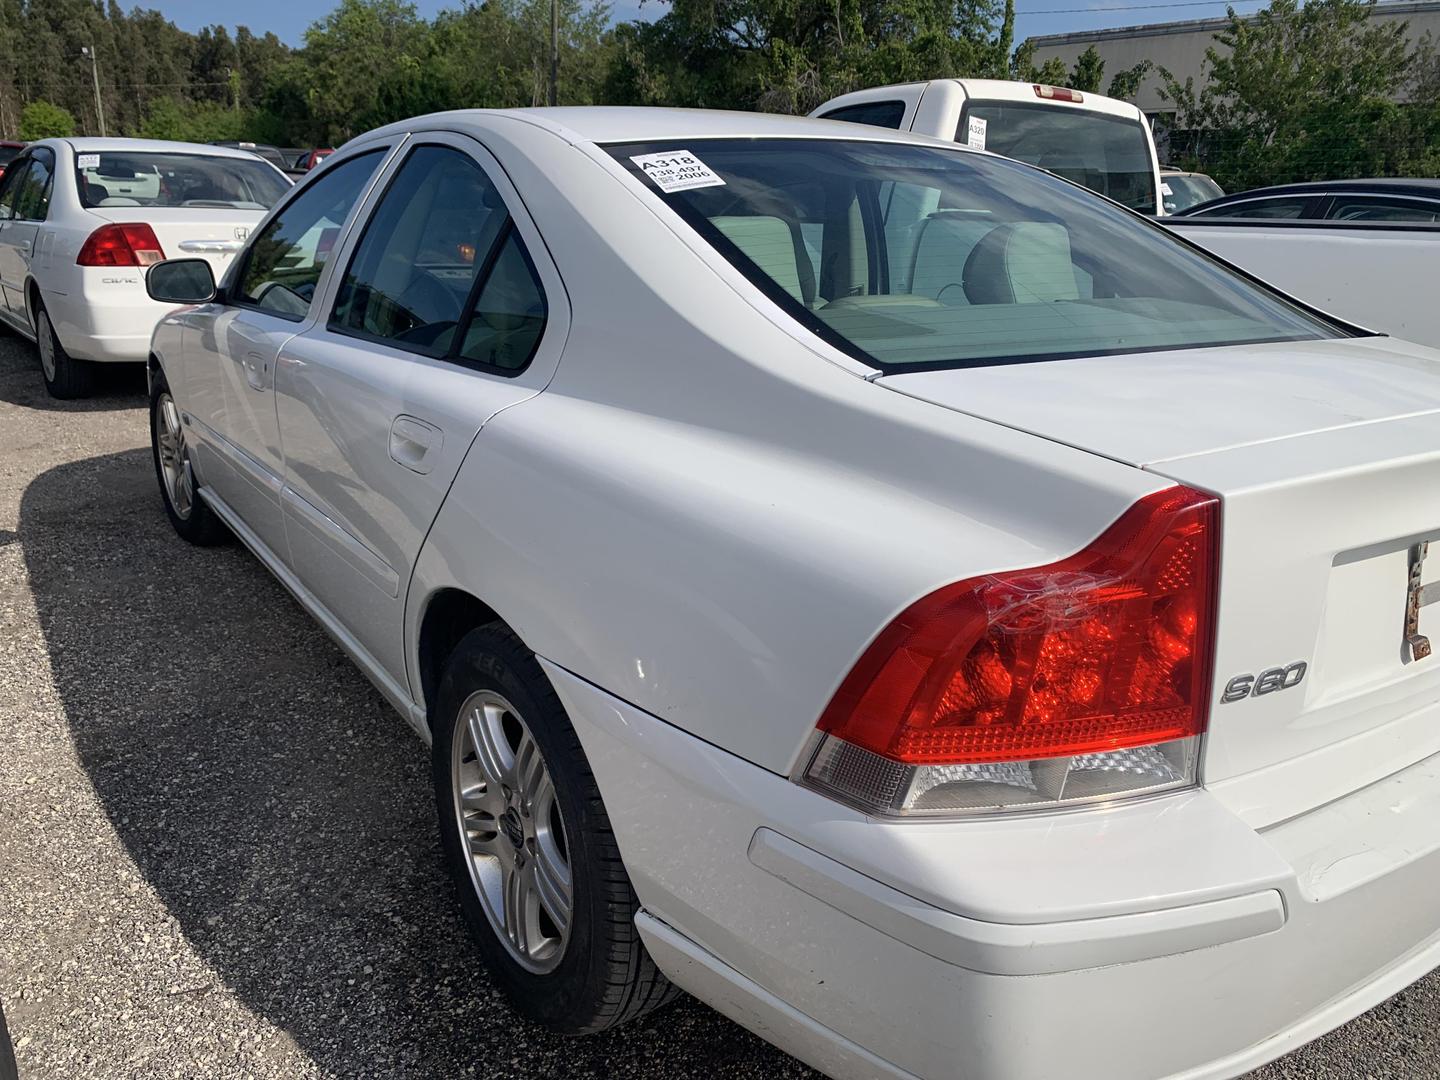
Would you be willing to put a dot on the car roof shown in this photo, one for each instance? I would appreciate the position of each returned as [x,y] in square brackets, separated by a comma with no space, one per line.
[94,144]
[607,124]
[1385,185]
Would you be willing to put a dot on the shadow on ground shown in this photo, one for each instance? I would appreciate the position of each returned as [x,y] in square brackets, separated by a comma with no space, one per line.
[117,386]
[281,810]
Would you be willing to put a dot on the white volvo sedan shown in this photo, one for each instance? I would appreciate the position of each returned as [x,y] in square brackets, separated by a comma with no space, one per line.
[928,612]
[81,219]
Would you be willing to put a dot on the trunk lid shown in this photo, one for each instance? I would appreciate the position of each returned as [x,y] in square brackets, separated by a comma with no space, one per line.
[213,233]
[1327,459]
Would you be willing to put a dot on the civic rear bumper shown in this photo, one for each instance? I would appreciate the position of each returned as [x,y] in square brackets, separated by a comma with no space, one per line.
[1163,938]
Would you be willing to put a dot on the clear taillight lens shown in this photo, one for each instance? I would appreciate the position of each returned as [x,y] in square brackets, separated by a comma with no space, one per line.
[1079,681]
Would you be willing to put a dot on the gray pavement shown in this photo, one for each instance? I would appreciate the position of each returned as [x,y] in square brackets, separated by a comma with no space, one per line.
[217,846]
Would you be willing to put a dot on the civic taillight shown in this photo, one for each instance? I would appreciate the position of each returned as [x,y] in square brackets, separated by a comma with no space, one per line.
[121,245]
[1082,680]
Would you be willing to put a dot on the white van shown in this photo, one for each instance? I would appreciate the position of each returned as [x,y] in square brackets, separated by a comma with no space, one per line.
[1100,142]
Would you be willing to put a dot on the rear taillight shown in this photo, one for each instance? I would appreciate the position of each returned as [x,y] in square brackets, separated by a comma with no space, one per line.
[1058,93]
[121,245]
[1082,680]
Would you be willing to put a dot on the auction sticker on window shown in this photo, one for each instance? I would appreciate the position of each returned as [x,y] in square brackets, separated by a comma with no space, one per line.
[87,161]
[975,132]
[678,170]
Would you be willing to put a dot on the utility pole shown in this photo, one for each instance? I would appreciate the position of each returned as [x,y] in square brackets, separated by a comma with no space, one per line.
[89,50]
[554,52]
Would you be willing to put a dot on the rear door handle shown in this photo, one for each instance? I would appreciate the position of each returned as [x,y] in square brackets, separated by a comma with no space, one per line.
[257,371]
[415,444]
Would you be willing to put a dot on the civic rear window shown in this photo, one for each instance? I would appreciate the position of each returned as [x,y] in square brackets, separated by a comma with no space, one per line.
[909,256]
[133,178]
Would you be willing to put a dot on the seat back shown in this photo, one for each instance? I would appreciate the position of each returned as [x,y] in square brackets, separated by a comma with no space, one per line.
[1026,262]
[947,237]
[776,247]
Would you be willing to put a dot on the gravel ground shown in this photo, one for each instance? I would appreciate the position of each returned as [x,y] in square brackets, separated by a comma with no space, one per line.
[217,846]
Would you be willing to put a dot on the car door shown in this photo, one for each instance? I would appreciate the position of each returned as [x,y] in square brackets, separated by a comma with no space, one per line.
[12,257]
[447,312]
[233,343]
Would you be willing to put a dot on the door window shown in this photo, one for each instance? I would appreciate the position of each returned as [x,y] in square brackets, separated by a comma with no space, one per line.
[283,264]
[10,187]
[1382,208]
[32,197]
[441,271]
[1262,208]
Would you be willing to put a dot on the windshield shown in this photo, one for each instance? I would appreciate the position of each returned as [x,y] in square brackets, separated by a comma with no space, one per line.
[130,178]
[910,256]
[1104,153]
[1184,190]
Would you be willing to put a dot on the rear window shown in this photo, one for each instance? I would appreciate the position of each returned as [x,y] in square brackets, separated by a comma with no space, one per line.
[7,154]
[1186,191]
[131,178]
[910,257]
[886,114]
[1104,153]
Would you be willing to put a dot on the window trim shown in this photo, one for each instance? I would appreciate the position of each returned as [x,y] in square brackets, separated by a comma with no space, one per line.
[231,296]
[27,160]
[19,165]
[472,295]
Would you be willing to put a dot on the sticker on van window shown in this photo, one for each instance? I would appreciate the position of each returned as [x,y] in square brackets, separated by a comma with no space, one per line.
[975,132]
[1165,188]
[88,161]
[679,170]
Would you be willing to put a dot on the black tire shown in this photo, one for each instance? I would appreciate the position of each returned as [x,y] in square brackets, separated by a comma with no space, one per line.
[65,377]
[604,977]
[198,523]
[8,1071]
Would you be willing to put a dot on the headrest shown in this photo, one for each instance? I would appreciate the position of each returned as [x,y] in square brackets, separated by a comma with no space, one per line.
[1026,262]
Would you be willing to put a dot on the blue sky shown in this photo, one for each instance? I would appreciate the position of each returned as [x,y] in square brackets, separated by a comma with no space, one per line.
[289,18]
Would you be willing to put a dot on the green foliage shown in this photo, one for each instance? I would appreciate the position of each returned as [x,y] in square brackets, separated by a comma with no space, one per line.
[1307,93]
[1089,72]
[42,120]
[1126,84]
[196,121]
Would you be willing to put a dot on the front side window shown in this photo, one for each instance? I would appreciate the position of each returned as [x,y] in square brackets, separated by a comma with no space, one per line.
[1104,153]
[135,178]
[32,197]
[910,257]
[440,269]
[284,262]
[1292,208]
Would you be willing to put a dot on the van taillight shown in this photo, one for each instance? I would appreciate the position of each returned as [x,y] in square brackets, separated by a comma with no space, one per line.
[1085,679]
[121,245]
[1058,93]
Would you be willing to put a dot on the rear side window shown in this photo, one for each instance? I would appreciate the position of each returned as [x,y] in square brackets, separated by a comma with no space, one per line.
[1108,154]
[10,186]
[1382,208]
[283,264]
[441,271]
[1292,208]
[886,114]
[32,198]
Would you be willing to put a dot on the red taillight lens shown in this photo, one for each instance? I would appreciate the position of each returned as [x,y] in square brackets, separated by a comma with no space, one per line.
[1104,651]
[1058,93]
[121,245]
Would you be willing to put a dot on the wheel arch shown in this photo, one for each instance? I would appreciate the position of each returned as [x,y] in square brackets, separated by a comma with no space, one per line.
[447,615]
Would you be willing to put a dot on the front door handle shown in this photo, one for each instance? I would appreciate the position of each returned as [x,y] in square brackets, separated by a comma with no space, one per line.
[257,371]
[415,444]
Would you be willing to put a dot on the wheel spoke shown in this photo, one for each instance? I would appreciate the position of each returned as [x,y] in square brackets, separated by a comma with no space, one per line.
[530,771]
[551,882]
[515,896]
[492,755]
[483,838]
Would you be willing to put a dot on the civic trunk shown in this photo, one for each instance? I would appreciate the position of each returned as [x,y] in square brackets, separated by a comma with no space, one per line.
[214,234]
[1326,456]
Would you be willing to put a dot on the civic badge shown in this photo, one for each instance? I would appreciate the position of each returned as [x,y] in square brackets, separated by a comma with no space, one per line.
[1416,597]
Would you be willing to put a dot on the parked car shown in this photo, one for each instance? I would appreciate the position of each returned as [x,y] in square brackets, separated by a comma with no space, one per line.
[1101,143]
[802,545]
[1386,200]
[8,150]
[81,219]
[1181,190]
[308,159]
[1365,250]
[272,154]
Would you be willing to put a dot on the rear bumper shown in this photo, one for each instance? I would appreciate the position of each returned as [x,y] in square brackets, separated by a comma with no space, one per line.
[1158,939]
[107,317]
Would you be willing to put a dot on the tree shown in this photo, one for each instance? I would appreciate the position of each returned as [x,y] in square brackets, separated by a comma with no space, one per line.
[1300,93]
[1088,73]
[42,120]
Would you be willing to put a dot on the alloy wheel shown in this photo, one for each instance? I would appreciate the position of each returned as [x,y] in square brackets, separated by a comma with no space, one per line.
[45,342]
[174,457]
[513,831]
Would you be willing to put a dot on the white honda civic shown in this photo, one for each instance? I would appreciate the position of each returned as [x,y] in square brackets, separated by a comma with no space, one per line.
[913,604]
[81,219]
